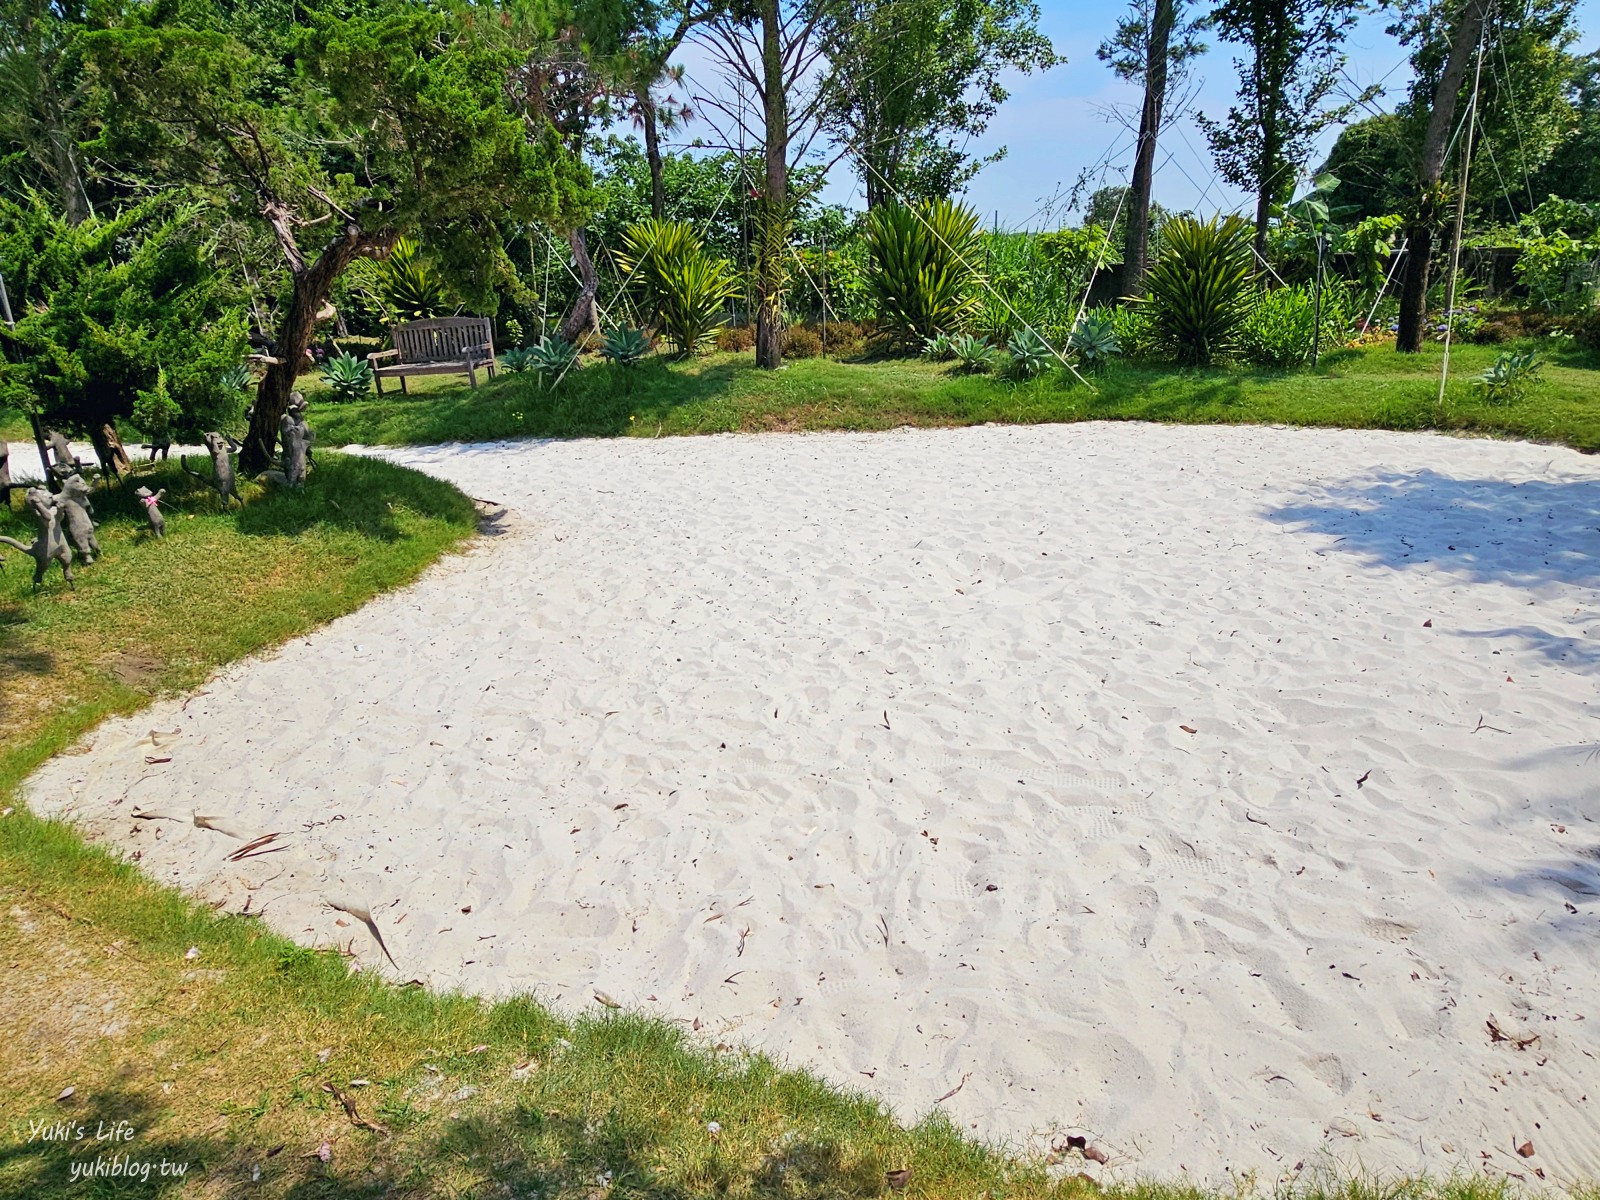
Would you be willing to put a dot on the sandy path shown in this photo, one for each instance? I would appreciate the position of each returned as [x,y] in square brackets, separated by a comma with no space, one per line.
[1111,768]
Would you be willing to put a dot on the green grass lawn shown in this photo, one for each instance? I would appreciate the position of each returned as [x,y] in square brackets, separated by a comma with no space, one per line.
[1366,388]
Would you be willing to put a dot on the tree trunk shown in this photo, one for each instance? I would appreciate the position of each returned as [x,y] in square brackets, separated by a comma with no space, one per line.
[1414,286]
[1430,169]
[312,285]
[1263,217]
[584,317]
[64,157]
[1136,247]
[652,152]
[774,237]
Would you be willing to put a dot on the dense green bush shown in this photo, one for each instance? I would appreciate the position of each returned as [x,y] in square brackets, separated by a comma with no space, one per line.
[1586,330]
[1277,332]
[1199,288]
[1280,327]
[800,342]
[687,289]
[121,316]
[1133,328]
[1036,280]
[924,278]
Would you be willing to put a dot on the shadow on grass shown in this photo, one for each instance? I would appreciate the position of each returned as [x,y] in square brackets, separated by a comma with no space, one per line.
[597,401]
[351,493]
[94,1146]
[1485,530]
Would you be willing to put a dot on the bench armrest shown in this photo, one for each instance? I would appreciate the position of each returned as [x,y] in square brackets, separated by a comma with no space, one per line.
[377,354]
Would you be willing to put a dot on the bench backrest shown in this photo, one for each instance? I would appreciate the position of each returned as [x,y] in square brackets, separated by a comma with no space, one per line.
[443,339]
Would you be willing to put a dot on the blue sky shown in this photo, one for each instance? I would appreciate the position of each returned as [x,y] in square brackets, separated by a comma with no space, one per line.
[1055,124]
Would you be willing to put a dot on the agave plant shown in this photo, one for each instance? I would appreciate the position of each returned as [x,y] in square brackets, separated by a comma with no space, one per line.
[937,348]
[922,276]
[1030,354]
[1199,287]
[1095,340]
[687,288]
[518,360]
[1508,379]
[235,379]
[349,377]
[625,347]
[552,356]
[975,354]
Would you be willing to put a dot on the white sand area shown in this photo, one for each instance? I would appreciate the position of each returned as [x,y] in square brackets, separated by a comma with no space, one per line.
[1115,770]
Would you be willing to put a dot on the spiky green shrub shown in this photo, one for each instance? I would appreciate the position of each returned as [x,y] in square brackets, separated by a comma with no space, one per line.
[1199,288]
[518,360]
[687,289]
[349,377]
[1095,340]
[923,276]
[975,354]
[1507,381]
[235,378]
[552,357]
[625,347]
[1030,354]
[937,348]
[404,286]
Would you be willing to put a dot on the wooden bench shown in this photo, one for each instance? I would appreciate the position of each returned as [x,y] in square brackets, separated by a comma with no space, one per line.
[443,346]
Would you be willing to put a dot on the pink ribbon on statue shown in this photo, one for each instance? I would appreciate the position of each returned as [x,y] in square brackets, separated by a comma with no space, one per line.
[150,501]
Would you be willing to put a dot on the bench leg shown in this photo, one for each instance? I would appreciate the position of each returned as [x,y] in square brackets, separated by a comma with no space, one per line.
[472,376]
[377,382]
[404,390]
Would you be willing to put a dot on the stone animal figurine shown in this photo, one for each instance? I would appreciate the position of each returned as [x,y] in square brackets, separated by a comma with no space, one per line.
[65,462]
[75,506]
[49,546]
[222,476]
[158,445]
[296,437]
[5,474]
[152,510]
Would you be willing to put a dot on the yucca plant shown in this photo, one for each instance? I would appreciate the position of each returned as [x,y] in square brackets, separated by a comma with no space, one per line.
[687,288]
[235,379]
[517,360]
[552,356]
[975,354]
[349,377]
[403,285]
[923,276]
[625,347]
[1199,287]
[1095,340]
[1030,354]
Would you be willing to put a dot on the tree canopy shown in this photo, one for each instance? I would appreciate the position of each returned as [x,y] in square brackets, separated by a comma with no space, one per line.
[910,83]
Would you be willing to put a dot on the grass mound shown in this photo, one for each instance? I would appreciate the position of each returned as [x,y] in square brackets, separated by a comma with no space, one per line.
[1367,388]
